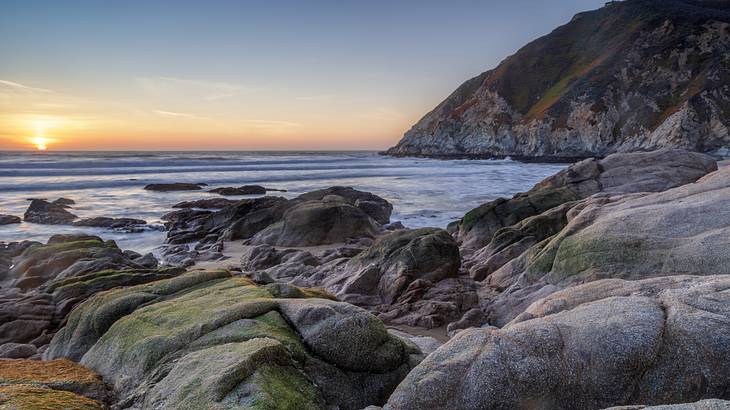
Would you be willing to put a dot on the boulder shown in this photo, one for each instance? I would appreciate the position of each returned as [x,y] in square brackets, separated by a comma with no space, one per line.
[175,186]
[595,346]
[654,171]
[681,231]
[386,269]
[9,219]
[313,223]
[218,341]
[41,211]
[373,205]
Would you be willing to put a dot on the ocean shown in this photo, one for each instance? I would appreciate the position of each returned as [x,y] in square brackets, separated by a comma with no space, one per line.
[424,192]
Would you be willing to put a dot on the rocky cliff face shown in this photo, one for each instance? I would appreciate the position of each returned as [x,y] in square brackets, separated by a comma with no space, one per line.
[632,76]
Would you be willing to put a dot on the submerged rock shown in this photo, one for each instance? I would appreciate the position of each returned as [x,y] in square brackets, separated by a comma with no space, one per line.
[207,203]
[176,186]
[41,211]
[9,219]
[242,190]
[129,224]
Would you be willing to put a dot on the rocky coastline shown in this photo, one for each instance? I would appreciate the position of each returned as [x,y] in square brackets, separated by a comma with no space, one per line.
[605,285]
[636,75]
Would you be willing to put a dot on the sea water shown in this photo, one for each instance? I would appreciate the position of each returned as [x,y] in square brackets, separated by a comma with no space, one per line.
[424,192]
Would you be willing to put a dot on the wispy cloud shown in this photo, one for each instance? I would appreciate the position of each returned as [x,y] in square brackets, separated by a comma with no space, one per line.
[12,86]
[209,90]
[172,114]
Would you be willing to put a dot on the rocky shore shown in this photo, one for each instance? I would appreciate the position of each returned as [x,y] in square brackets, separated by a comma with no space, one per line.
[606,285]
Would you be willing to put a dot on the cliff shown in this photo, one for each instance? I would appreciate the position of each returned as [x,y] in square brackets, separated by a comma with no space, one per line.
[636,75]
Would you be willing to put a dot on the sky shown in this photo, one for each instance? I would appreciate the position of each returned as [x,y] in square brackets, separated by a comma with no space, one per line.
[246,75]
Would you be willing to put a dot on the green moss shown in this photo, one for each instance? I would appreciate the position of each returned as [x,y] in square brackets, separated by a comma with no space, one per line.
[43,251]
[283,388]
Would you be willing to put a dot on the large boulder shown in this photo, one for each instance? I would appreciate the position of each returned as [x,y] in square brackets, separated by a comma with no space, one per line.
[683,230]
[314,223]
[658,341]
[211,340]
[59,375]
[41,211]
[618,173]
[373,205]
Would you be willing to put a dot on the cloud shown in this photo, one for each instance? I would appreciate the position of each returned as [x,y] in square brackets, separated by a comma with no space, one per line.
[21,88]
[209,90]
[172,114]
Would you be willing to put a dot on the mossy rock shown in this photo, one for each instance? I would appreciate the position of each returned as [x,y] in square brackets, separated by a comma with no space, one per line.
[28,397]
[255,374]
[145,339]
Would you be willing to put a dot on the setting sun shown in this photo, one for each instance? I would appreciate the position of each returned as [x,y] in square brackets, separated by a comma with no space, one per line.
[40,143]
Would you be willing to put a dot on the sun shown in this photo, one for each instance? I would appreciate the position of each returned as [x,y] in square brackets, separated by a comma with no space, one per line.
[40,143]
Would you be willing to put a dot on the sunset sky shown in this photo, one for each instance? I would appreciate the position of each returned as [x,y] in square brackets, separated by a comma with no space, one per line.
[207,75]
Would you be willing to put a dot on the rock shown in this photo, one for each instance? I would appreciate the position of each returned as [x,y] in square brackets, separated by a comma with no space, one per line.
[591,88]
[681,231]
[64,202]
[55,375]
[17,351]
[657,343]
[128,224]
[426,344]
[313,223]
[710,404]
[381,273]
[313,220]
[47,281]
[9,219]
[242,190]
[207,203]
[373,205]
[48,213]
[658,170]
[246,344]
[407,277]
[472,318]
[238,221]
[176,186]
